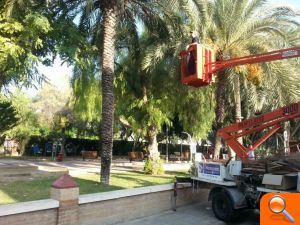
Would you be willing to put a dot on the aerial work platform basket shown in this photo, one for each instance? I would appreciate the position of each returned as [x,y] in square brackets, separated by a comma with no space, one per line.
[197,65]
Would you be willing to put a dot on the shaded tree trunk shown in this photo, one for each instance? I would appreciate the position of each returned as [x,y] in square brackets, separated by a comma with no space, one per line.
[220,111]
[152,143]
[152,131]
[110,17]
[238,108]
[287,137]
[237,98]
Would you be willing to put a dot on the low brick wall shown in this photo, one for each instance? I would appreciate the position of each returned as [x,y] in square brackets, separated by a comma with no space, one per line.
[101,208]
[43,212]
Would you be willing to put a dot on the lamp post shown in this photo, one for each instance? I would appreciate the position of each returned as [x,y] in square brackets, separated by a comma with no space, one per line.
[189,136]
[181,147]
[167,144]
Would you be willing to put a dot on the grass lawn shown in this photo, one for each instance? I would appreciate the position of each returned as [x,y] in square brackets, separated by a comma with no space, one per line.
[21,191]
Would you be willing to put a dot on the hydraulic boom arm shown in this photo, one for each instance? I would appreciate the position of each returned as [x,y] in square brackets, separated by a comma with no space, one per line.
[271,121]
[265,57]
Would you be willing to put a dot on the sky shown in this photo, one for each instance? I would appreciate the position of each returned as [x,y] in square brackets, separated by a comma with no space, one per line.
[59,74]
[292,3]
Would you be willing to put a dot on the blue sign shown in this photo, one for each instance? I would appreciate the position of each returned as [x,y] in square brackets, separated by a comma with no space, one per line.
[213,169]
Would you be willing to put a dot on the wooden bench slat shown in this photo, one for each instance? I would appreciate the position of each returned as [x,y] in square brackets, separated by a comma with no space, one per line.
[89,154]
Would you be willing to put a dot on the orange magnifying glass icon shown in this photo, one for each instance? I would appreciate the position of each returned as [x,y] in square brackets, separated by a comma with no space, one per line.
[277,205]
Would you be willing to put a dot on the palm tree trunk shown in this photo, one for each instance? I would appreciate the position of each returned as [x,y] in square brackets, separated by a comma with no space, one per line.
[220,111]
[238,108]
[237,98]
[110,16]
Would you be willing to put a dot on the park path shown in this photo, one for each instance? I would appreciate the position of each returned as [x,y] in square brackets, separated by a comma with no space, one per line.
[199,214]
[75,166]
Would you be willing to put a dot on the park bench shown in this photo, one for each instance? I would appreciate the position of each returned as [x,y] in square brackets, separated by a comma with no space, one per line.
[89,155]
[136,156]
[177,156]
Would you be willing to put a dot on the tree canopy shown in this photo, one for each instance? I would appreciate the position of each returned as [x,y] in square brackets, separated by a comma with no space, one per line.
[8,115]
[23,42]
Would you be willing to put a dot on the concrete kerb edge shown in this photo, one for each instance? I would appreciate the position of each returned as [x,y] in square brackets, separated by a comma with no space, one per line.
[104,196]
[23,207]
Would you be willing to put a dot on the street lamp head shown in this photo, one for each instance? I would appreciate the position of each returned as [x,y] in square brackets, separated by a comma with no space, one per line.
[189,136]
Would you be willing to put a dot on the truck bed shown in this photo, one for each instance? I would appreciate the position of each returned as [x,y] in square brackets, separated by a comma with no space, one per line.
[222,183]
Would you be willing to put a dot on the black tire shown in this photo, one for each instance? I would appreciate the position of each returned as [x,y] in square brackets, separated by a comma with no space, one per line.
[222,206]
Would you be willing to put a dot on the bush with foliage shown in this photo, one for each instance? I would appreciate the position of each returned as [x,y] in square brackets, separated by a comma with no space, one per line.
[193,169]
[154,166]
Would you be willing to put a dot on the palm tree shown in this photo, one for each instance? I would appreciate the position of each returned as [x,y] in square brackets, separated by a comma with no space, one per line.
[99,22]
[243,27]
[111,12]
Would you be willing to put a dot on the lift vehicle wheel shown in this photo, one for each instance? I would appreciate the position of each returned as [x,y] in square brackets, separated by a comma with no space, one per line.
[222,206]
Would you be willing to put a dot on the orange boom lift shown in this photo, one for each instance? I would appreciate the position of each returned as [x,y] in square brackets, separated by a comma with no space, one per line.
[202,73]
[240,184]
[206,65]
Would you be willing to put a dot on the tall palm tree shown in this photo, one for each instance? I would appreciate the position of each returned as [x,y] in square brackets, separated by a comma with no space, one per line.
[100,21]
[111,13]
[243,27]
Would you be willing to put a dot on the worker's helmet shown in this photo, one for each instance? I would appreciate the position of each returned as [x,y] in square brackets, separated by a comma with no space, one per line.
[194,33]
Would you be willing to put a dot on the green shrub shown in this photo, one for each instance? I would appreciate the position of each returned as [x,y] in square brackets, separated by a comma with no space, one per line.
[193,170]
[154,166]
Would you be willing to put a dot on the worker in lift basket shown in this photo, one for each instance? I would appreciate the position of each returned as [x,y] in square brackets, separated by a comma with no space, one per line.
[191,58]
[195,37]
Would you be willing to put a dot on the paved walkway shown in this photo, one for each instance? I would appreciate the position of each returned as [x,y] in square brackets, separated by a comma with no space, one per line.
[200,214]
[77,165]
